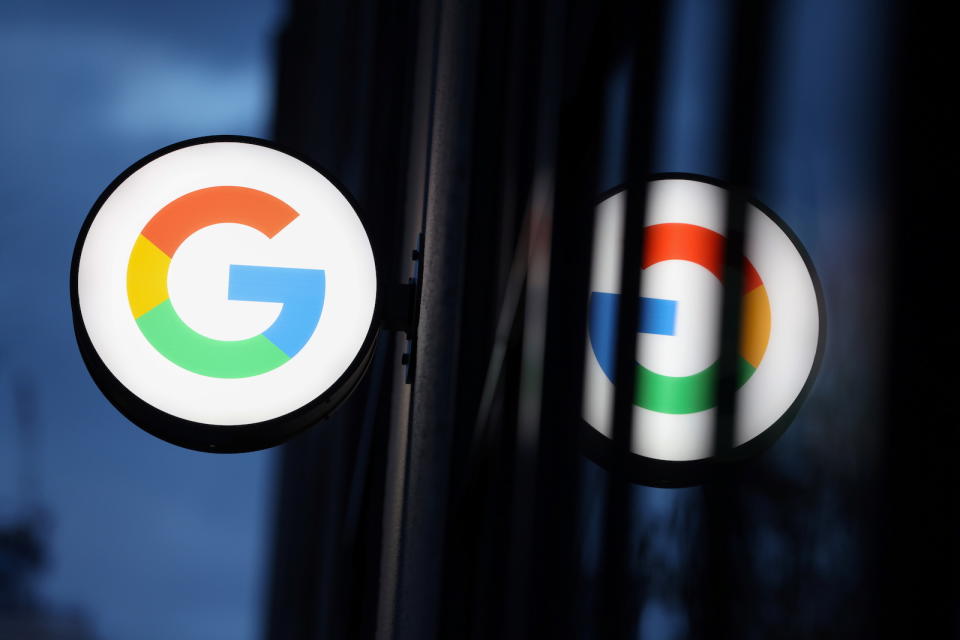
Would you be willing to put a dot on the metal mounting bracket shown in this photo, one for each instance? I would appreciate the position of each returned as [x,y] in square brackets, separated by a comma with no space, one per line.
[401,309]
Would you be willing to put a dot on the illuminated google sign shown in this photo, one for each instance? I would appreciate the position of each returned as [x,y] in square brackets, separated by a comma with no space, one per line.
[224,294]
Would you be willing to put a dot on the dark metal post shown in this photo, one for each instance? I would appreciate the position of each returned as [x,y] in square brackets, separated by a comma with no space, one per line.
[414,603]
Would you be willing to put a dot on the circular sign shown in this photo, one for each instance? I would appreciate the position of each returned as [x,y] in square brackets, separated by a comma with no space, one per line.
[781,338]
[224,293]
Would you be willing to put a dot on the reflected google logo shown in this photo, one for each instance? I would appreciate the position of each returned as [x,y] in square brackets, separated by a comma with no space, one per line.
[300,290]
[674,413]
[692,393]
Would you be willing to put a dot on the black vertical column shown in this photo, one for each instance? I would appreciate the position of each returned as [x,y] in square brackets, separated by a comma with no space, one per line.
[592,40]
[719,611]
[918,562]
[621,591]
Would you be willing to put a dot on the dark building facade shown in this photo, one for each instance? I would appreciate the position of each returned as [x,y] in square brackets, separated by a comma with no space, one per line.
[451,497]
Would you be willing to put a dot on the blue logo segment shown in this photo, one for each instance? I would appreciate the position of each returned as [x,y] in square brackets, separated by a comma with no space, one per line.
[300,290]
[654,315]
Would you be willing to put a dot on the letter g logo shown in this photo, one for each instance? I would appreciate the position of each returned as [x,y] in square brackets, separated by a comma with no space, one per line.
[300,290]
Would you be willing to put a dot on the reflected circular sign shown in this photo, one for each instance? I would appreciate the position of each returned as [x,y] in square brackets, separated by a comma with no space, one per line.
[782,330]
[224,293]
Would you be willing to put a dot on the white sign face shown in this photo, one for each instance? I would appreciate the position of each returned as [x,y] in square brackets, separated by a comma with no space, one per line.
[224,283]
[674,413]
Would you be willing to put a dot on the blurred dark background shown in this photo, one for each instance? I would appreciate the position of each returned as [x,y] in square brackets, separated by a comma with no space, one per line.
[460,506]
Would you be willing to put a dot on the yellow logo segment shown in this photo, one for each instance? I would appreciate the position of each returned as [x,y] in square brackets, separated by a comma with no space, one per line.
[146,276]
